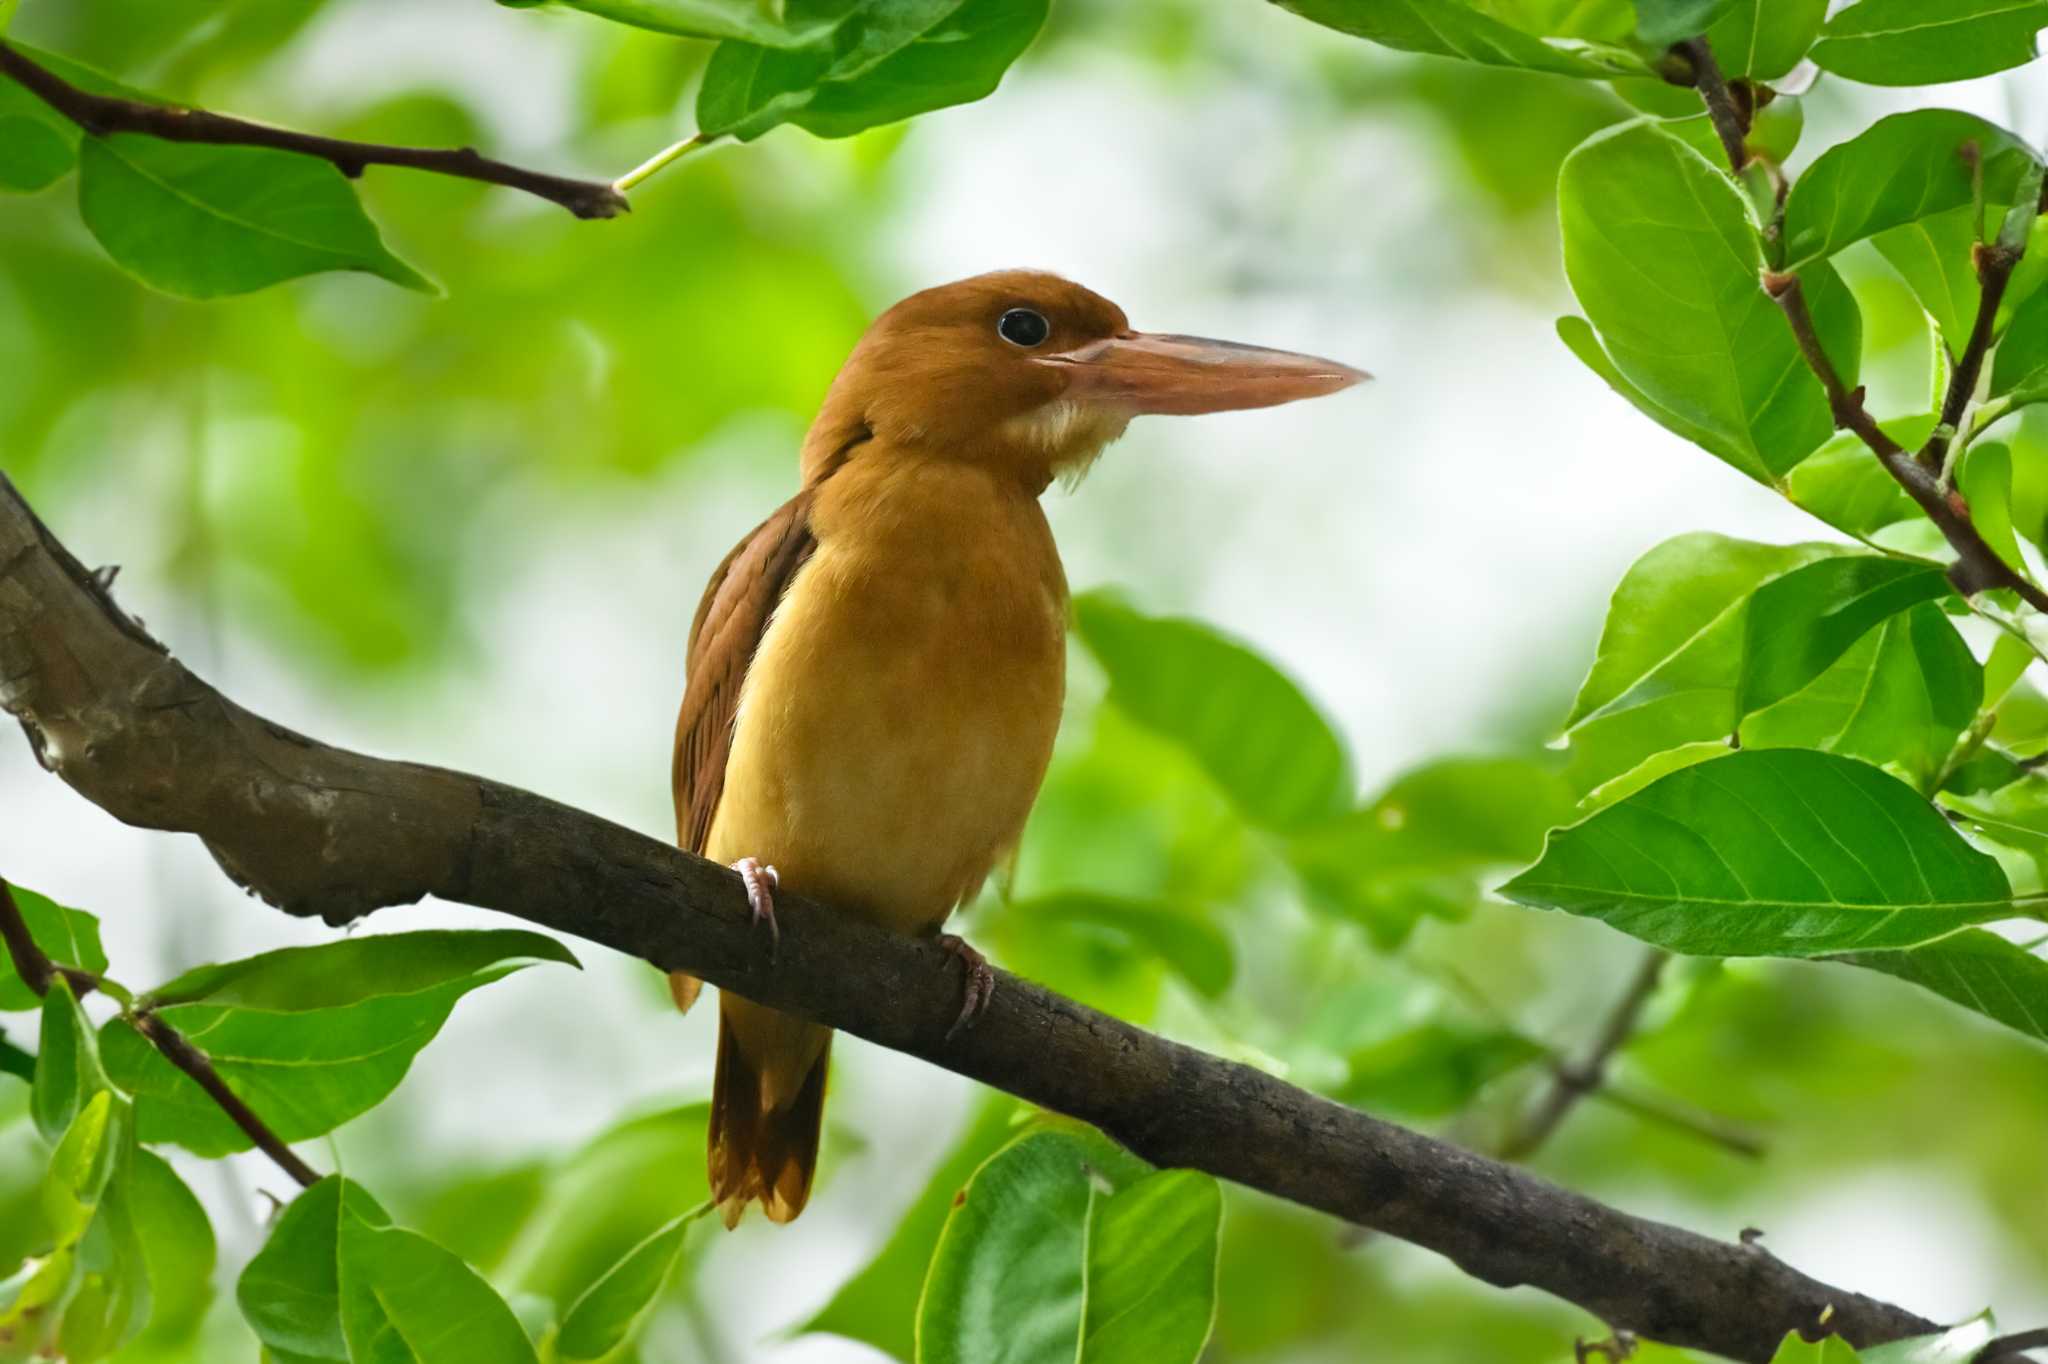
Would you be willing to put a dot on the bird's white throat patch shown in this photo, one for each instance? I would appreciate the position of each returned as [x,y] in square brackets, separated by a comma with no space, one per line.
[1071,435]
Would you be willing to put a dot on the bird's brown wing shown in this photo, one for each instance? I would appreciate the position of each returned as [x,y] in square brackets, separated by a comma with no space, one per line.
[732,618]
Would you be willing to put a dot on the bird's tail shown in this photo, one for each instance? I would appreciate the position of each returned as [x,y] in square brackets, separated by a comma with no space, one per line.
[767,1105]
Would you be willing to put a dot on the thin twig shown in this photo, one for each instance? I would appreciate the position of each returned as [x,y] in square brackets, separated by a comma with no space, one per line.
[1977,565]
[1574,1080]
[180,1052]
[1995,264]
[101,115]
[36,969]
[2013,1349]
[1711,1128]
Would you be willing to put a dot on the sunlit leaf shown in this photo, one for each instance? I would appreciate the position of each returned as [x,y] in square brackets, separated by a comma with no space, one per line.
[1899,170]
[1450,29]
[1251,729]
[1151,1271]
[884,62]
[1958,1345]
[746,20]
[1932,256]
[1645,213]
[1578,335]
[1797,1349]
[878,1306]
[178,1250]
[309,1036]
[1979,970]
[1799,624]
[1844,485]
[203,221]
[2022,358]
[1926,42]
[68,937]
[1777,852]
[1985,481]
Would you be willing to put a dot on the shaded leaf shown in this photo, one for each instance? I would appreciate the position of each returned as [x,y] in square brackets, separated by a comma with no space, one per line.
[1799,624]
[884,62]
[1194,948]
[1901,169]
[178,1250]
[1644,214]
[1843,484]
[1664,22]
[1927,42]
[604,1317]
[1932,256]
[1249,727]
[204,221]
[1777,852]
[1796,1349]
[1434,1069]
[745,20]
[1450,29]
[879,1305]
[68,1072]
[1765,39]
[33,155]
[309,1036]
[1958,1345]
[2021,360]
[1151,1273]
[1979,970]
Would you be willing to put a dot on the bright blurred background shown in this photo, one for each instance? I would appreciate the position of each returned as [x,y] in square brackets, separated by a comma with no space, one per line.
[471,530]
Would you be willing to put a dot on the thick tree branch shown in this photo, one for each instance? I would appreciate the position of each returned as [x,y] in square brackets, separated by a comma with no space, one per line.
[322,831]
[37,971]
[101,115]
[1574,1080]
[1977,566]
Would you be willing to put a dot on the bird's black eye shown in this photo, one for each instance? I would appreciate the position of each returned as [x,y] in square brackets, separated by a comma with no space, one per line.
[1023,327]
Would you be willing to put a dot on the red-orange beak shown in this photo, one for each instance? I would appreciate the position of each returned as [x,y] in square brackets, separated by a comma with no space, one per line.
[1155,372]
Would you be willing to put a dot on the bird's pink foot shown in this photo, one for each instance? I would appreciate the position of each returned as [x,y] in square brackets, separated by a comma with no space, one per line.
[980,985]
[762,883]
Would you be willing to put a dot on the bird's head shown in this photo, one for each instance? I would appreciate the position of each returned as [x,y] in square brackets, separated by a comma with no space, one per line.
[1034,375]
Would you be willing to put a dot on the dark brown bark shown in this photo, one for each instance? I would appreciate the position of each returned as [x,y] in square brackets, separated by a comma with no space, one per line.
[322,831]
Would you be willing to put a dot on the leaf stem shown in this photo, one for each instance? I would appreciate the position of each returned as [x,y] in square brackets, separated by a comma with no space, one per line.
[101,115]
[674,152]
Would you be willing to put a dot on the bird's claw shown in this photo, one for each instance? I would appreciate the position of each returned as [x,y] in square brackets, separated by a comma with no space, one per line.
[762,883]
[980,985]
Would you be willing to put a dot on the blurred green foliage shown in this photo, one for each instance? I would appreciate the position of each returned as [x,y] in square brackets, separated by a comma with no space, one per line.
[314,457]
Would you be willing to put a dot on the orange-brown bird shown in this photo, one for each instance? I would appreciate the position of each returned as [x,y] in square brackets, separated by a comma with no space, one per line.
[875,673]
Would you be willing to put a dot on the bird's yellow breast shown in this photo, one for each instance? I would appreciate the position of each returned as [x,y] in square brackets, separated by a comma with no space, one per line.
[897,719]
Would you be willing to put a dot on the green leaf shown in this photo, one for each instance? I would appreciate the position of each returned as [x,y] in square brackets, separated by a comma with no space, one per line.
[68,1072]
[1796,1349]
[1927,42]
[1645,215]
[1902,695]
[748,21]
[1899,170]
[337,1284]
[1765,39]
[81,1166]
[1449,29]
[309,1036]
[1434,1069]
[1664,22]
[1985,481]
[878,1306]
[203,221]
[14,1061]
[604,1317]
[1578,335]
[1958,1345]
[177,1247]
[1779,852]
[1670,654]
[1932,256]
[1843,484]
[1978,970]
[1245,723]
[68,937]
[1151,1276]
[2013,815]
[33,155]
[2021,361]
[884,63]
[1193,947]
[1799,624]
[1019,1234]
[112,1297]
[1419,846]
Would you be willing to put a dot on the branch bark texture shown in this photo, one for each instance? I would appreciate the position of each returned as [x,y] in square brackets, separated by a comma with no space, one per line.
[322,831]
[101,115]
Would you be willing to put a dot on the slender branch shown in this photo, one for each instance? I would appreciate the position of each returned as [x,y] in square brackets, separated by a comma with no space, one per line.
[323,831]
[1995,264]
[1977,565]
[36,969]
[101,115]
[180,1052]
[31,963]
[2013,1349]
[1574,1080]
